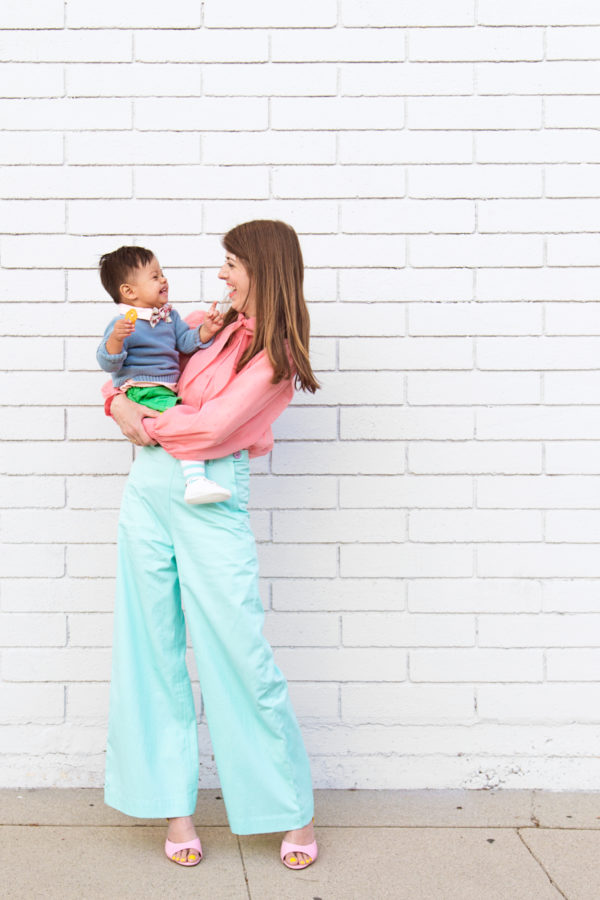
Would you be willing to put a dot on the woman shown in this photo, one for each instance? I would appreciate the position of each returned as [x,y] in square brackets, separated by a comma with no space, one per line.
[205,557]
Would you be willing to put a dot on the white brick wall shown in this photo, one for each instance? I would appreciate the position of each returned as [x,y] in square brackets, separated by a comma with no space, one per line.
[429,523]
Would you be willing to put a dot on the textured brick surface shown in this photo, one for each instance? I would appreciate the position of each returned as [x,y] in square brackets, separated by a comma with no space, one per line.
[429,522]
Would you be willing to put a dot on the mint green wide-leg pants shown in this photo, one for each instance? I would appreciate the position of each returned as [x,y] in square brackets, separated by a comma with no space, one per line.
[204,558]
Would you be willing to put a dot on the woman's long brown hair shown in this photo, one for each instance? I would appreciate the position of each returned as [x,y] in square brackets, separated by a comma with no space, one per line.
[270,252]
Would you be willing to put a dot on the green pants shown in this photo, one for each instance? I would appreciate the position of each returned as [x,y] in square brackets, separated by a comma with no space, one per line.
[204,557]
[155,396]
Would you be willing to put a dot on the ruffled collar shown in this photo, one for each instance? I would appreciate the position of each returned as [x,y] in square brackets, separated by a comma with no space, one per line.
[142,312]
[248,323]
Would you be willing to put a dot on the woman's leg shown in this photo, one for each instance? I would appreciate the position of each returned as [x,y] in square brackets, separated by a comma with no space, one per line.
[260,755]
[152,754]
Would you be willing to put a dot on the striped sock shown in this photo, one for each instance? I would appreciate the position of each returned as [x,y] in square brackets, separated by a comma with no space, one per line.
[192,469]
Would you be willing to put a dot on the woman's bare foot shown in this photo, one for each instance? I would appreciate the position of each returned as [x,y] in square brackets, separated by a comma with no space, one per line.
[182,829]
[302,836]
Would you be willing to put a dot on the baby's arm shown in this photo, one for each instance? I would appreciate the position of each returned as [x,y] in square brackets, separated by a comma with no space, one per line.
[189,339]
[122,329]
[111,353]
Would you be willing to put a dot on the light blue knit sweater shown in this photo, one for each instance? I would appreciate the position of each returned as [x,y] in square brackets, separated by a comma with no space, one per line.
[150,354]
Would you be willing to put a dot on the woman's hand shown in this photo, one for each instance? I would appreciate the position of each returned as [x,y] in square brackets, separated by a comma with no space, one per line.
[128,416]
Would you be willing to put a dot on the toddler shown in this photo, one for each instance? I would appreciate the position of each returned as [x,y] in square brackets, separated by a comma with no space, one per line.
[141,346]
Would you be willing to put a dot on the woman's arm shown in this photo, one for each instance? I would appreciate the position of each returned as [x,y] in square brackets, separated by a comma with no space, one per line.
[128,416]
[235,419]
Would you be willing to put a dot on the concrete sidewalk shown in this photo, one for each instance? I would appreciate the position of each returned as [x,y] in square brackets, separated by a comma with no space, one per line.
[374,845]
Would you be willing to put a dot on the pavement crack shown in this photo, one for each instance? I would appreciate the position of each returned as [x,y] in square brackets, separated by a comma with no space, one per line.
[541,865]
[239,843]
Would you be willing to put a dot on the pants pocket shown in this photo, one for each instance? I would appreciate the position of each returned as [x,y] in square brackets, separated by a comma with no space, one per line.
[241,471]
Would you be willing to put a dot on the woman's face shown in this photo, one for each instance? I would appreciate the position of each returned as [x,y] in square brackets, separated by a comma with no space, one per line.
[241,294]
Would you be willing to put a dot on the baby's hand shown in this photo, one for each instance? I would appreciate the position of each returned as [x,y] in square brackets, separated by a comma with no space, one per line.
[213,322]
[122,329]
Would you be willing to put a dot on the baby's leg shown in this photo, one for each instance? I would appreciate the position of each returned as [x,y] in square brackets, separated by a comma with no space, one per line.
[198,488]
[192,469]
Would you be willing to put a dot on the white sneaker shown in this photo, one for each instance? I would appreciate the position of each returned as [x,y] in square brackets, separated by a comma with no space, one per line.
[203,490]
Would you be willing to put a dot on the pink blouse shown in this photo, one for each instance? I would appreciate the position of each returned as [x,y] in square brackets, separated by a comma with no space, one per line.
[222,410]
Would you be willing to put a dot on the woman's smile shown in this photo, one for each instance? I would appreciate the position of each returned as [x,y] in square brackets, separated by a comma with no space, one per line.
[241,293]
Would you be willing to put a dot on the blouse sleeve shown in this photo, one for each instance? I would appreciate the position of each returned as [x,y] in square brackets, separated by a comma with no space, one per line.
[231,421]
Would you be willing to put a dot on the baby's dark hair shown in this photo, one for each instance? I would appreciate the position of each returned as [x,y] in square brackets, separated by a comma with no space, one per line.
[116,267]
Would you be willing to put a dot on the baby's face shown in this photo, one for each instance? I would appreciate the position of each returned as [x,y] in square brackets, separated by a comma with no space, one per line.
[148,285]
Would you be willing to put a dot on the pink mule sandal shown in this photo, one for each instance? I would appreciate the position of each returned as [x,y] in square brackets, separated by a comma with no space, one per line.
[311,850]
[171,848]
